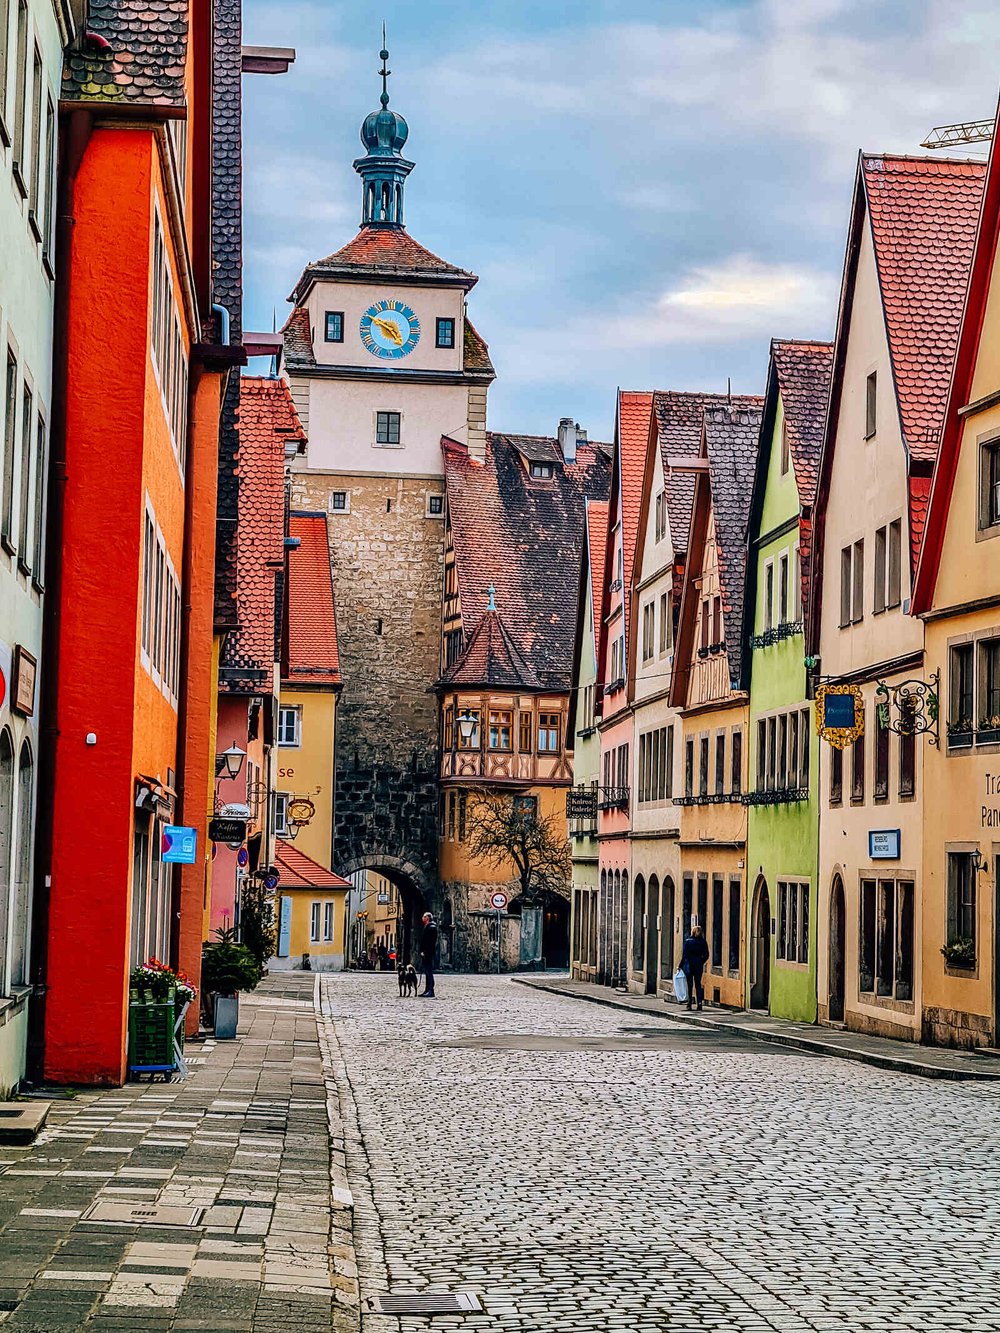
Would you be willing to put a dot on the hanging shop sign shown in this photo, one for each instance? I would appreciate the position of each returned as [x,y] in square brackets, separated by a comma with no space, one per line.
[581,803]
[301,810]
[179,844]
[840,714]
[226,829]
[22,699]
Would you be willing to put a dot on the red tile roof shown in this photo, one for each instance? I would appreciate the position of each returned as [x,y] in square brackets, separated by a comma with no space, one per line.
[491,657]
[803,370]
[634,416]
[923,215]
[311,656]
[389,251]
[597,538]
[298,871]
[523,536]
[298,337]
[267,419]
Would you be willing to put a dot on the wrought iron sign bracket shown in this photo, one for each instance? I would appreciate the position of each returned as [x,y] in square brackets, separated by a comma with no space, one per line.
[911,708]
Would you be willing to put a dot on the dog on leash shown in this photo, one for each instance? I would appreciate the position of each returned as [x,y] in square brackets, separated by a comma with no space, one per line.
[407,980]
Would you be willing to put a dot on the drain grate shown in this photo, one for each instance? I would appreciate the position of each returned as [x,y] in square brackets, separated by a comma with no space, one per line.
[148,1214]
[429,1302]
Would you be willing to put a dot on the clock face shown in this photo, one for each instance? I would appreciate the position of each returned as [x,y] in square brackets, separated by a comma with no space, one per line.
[390,329]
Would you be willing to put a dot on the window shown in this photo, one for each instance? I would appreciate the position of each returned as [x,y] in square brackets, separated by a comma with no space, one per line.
[783,589]
[48,244]
[543,471]
[36,140]
[781,778]
[468,729]
[836,776]
[445,333]
[327,922]
[704,624]
[871,393]
[895,572]
[785,455]
[717,621]
[687,904]
[703,766]
[167,344]
[20,93]
[501,722]
[24,513]
[881,756]
[845,586]
[772,752]
[703,901]
[452,807]
[387,428]
[961,897]
[524,739]
[769,595]
[960,719]
[804,733]
[314,923]
[435,506]
[290,727]
[989,484]
[161,607]
[648,630]
[858,770]
[858,609]
[762,755]
[281,814]
[338,502]
[885,962]
[548,735]
[792,937]
[718,923]
[720,762]
[797,584]
[463,811]
[880,564]
[852,584]
[989,685]
[9,445]
[907,764]
[660,528]
[888,566]
[666,636]
[334,328]
[41,472]
[4,66]
[689,768]
[736,762]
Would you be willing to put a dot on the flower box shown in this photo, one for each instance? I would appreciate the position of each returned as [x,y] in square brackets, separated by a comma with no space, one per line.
[988,736]
[960,740]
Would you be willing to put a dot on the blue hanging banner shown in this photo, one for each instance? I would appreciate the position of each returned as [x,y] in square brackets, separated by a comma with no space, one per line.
[179,845]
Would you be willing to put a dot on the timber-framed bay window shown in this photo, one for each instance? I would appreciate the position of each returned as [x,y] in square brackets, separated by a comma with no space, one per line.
[885,964]
[468,728]
[501,728]
[548,733]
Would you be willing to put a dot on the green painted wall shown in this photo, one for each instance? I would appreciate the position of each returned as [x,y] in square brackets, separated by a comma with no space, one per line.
[782,839]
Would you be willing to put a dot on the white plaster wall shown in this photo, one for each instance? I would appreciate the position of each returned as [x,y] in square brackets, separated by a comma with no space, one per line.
[354,298]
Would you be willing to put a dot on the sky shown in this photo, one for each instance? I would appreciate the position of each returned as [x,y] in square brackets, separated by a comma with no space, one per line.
[649,191]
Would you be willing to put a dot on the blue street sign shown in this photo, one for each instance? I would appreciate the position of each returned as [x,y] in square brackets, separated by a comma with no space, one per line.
[179,845]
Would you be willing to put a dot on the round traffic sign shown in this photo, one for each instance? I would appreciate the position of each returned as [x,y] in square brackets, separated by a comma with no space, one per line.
[498,900]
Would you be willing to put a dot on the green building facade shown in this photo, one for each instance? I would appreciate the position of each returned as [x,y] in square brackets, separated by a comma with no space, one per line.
[783,786]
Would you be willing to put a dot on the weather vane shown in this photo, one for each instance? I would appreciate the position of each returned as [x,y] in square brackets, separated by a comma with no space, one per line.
[384,71]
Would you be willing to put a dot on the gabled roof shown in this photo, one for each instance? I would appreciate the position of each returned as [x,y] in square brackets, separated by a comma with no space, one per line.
[522,536]
[923,214]
[267,420]
[491,658]
[144,62]
[632,427]
[475,351]
[938,500]
[383,251]
[803,371]
[311,656]
[597,537]
[731,440]
[678,423]
[298,871]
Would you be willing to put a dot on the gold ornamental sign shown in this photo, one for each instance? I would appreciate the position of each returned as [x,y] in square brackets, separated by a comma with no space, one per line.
[840,714]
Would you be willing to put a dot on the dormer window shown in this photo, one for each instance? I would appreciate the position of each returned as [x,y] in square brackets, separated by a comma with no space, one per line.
[542,471]
[334,326]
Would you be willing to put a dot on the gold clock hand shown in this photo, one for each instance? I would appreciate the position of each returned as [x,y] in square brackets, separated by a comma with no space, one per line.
[390,329]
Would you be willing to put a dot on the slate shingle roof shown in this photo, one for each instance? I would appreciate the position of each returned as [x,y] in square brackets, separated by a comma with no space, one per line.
[144,64]
[523,536]
[298,871]
[732,437]
[267,419]
[491,657]
[298,348]
[311,656]
[475,351]
[678,422]
[924,214]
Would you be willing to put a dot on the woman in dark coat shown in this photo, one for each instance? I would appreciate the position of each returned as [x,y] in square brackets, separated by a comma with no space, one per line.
[693,960]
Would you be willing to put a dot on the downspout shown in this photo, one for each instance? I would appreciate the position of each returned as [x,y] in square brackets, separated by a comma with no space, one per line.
[77,137]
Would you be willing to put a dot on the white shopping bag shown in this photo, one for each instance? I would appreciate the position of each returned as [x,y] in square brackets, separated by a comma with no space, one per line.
[680,986]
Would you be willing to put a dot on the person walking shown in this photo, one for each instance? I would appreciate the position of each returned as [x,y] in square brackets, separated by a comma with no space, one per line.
[693,960]
[428,947]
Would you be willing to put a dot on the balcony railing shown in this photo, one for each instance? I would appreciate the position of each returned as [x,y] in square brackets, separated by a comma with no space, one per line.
[612,798]
[786,630]
[711,798]
[778,796]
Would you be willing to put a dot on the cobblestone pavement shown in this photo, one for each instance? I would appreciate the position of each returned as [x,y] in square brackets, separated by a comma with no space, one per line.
[580,1169]
[241,1150]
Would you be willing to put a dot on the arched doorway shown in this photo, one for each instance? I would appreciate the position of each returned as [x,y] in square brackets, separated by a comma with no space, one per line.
[838,951]
[652,934]
[555,932]
[667,931]
[413,900]
[760,947]
[638,923]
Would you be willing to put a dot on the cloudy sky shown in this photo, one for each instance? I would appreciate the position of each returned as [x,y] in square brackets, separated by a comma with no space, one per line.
[648,190]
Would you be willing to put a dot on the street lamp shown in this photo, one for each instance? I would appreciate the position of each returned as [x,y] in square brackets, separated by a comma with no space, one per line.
[230,762]
[467,723]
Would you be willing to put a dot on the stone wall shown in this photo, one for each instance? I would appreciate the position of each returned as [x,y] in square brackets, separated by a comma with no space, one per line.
[471,936]
[953,1027]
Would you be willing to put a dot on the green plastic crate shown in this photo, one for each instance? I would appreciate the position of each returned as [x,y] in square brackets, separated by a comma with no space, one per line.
[151,1037]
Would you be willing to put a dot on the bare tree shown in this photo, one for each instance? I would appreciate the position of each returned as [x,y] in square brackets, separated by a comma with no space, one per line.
[508,832]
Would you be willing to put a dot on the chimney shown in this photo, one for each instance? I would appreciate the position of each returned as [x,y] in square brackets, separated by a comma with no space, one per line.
[567,439]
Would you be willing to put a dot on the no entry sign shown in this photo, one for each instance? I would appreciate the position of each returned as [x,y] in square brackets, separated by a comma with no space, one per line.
[498,900]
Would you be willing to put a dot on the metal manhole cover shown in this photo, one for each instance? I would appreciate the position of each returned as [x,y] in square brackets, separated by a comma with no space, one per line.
[433,1302]
[148,1214]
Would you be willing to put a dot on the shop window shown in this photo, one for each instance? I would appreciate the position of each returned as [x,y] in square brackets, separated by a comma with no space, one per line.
[501,721]
[885,964]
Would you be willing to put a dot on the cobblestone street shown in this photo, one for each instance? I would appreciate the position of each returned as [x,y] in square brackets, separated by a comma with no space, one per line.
[578,1169]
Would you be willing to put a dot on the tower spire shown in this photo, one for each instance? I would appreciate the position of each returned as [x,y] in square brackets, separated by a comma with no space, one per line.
[383,169]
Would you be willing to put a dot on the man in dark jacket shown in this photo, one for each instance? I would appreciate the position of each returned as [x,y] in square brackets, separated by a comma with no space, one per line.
[428,947]
[693,960]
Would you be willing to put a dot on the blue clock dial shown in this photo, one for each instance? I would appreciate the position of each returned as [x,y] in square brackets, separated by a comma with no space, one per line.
[390,329]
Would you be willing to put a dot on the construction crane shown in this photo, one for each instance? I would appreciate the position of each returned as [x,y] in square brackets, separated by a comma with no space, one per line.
[959,136]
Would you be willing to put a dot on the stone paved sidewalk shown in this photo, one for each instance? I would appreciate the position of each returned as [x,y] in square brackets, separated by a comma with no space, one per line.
[903,1057]
[250,1153]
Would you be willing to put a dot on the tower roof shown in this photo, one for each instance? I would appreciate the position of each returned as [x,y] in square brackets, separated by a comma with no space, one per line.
[491,657]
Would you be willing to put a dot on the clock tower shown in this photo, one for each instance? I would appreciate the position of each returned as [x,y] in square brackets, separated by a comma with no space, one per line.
[382,361]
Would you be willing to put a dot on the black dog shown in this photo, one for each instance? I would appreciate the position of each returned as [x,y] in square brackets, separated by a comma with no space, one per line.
[407,980]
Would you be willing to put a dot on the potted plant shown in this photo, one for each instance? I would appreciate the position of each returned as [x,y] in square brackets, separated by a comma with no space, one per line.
[960,954]
[158,1000]
[228,968]
[960,733]
[988,731]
